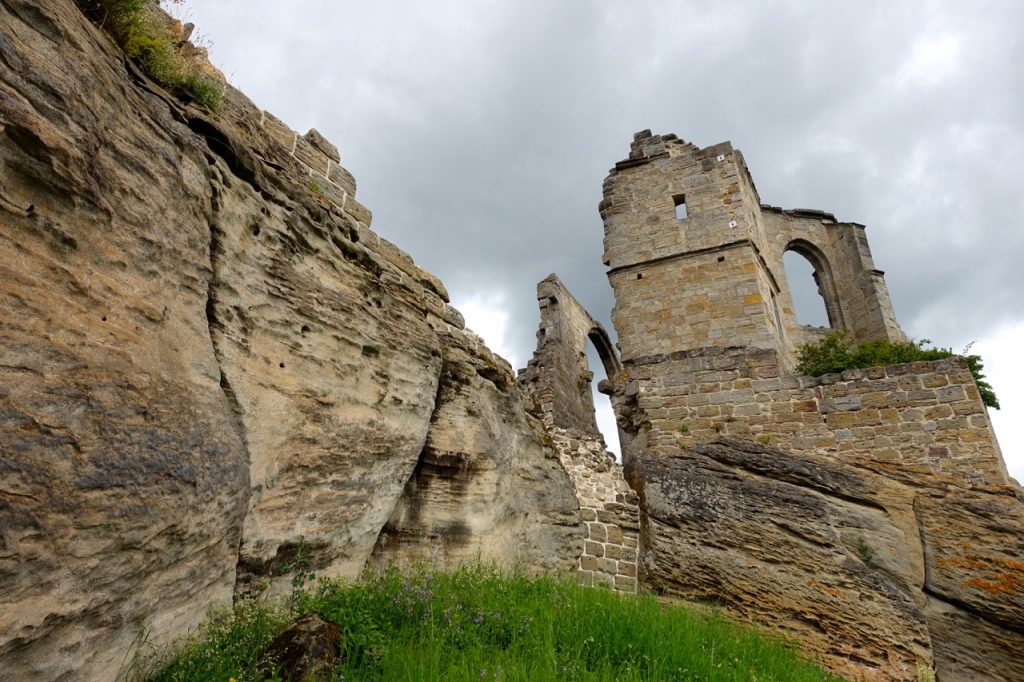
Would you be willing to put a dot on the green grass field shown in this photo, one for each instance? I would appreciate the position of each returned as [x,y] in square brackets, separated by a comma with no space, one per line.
[479,623]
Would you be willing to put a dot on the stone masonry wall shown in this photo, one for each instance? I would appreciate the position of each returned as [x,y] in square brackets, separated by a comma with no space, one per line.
[855,292]
[608,507]
[704,270]
[714,276]
[920,417]
[558,376]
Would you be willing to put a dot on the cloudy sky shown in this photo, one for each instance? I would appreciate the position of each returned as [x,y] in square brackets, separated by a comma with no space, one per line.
[480,132]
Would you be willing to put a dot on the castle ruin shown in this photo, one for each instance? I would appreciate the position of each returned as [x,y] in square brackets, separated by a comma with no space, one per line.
[867,512]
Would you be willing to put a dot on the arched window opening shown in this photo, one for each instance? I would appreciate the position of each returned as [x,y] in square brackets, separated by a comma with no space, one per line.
[603,412]
[804,285]
[810,283]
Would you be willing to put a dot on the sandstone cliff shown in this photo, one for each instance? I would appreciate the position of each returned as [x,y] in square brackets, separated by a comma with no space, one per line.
[208,362]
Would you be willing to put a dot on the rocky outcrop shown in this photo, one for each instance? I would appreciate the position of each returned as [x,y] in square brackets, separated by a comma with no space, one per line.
[305,650]
[209,364]
[488,482]
[874,577]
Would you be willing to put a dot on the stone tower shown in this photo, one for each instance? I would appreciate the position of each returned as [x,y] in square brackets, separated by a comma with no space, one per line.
[695,259]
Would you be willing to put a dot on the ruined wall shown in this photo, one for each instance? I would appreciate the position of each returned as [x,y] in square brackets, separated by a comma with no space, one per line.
[705,269]
[716,277]
[921,417]
[559,380]
[558,376]
[854,291]
[869,513]
[609,508]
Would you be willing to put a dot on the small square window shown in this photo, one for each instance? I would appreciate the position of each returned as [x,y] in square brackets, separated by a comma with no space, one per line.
[680,202]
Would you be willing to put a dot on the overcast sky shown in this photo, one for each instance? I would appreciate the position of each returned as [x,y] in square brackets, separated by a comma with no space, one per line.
[480,132]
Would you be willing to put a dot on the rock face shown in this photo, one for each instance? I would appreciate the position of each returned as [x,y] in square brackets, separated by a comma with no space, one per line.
[876,577]
[209,364]
[798,543]
[487,483]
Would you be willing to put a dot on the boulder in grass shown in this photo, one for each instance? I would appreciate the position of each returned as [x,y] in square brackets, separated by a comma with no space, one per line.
[306,650]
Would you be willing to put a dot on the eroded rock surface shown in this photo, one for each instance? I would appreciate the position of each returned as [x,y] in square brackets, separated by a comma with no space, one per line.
[488,482]
[791,542]
[209,363]
[874,577]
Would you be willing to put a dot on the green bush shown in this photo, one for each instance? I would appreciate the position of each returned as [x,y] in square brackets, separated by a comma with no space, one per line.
[478,622]
[838,352]
[145,35]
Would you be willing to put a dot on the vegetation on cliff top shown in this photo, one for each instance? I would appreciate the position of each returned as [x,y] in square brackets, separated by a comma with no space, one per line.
[838,352]
[479,623]
[145,34]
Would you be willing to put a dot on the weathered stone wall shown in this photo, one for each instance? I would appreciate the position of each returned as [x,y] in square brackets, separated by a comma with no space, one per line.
[854,291]
[608,506]
[558,376]
[716,277]
[921,417]
[705,268]
[559,380]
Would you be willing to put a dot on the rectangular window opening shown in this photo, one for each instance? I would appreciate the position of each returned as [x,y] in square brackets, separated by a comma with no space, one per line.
[680,202]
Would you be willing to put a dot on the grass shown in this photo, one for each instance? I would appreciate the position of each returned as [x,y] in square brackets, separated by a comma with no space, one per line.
[144,33]
[479,623]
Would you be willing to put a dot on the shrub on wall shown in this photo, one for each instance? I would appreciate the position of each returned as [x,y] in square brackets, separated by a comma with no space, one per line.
[838,352]
[144,33]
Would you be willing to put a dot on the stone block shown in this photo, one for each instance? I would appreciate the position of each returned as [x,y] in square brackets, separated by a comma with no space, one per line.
[588,563]
[625,583]
[614,534]
[341,177]
[613,551]
[627,568]
[321,143]
[596,532]
[593,548]
[608,566]
[950,394]
[277,130]
[311,157]
[358,212]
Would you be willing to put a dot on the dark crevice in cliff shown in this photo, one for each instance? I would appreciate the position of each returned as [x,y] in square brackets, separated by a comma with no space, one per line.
[437,475]
[213,325]
[235,154]
[931,593]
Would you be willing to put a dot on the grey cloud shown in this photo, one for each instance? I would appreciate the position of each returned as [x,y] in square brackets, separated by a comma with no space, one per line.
[480,132]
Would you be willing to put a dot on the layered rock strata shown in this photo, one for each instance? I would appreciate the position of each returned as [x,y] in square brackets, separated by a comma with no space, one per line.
[209,364]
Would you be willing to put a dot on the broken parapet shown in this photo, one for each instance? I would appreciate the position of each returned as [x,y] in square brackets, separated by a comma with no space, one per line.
[321,161]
